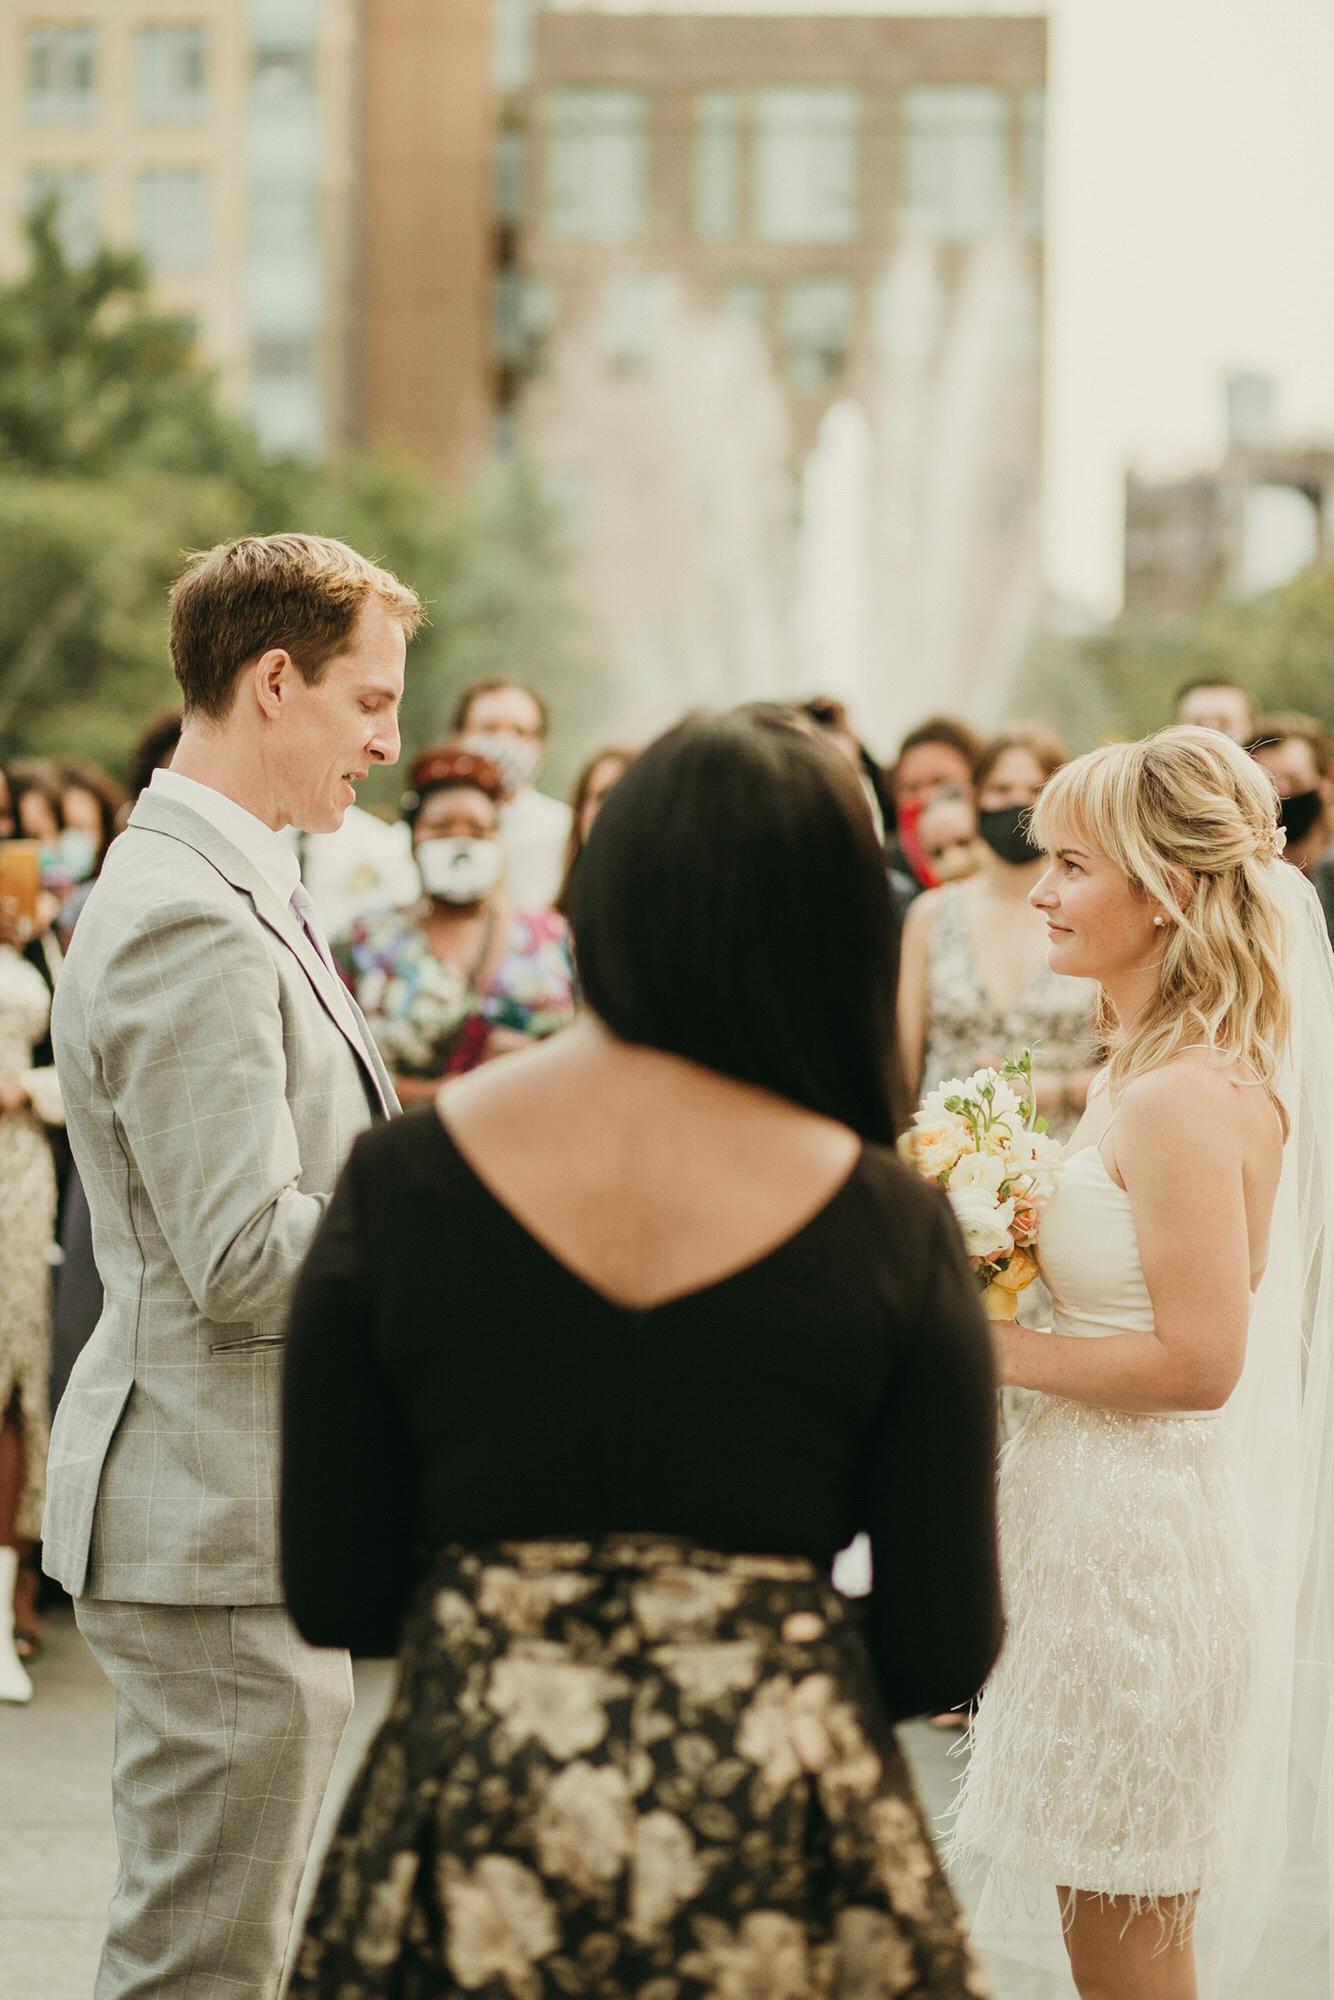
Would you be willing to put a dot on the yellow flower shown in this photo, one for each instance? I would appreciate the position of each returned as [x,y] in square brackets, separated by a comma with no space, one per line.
[1018,1274]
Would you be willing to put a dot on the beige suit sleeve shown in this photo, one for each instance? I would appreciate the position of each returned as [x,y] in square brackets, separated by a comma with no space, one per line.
[189,1035]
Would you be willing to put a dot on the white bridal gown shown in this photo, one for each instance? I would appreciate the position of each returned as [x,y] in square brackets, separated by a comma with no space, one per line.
[1105,1746]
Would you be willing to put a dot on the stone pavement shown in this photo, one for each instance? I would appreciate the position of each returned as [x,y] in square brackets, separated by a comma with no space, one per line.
[57,1852]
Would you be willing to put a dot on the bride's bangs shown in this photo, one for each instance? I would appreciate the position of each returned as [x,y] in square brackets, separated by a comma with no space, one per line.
[1084,805]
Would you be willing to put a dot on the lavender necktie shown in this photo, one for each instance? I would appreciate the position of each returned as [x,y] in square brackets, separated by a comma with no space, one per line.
[305,910]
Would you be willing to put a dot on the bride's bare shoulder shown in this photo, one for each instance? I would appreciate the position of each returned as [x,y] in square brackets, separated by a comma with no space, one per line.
[1196,1100]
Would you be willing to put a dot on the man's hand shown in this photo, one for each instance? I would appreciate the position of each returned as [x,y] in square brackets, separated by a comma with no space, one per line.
[13,1097]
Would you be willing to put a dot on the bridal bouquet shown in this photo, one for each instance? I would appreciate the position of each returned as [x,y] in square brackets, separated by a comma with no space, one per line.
[983,1142]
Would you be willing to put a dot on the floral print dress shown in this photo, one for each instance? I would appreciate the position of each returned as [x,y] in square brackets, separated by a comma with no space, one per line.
[429,1020]
[27,1224]
[632,1767]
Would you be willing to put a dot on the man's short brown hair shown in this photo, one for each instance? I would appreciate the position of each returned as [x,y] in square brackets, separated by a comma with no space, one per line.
[300,593]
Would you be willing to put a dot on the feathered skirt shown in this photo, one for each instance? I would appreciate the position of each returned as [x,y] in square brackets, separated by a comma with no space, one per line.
[632,1768]
[1103,1753]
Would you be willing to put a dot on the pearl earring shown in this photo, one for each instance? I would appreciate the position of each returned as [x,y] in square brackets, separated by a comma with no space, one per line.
[1159,922]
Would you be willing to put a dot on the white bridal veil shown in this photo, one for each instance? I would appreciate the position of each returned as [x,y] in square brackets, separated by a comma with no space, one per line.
[1267,1931]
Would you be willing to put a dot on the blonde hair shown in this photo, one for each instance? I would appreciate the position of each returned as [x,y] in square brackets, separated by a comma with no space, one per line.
[1189,819]
[303,593]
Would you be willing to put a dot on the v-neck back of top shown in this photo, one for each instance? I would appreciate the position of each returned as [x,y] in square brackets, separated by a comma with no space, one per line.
[838,1381]
[698,1289]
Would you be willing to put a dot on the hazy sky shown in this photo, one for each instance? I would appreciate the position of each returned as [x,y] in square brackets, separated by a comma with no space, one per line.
[1191,178]
[1191,187]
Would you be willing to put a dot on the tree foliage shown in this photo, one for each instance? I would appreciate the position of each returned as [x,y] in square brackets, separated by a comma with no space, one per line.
[1121,681]
[117,457]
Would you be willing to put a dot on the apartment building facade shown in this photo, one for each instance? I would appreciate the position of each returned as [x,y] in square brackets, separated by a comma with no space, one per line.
[220,138]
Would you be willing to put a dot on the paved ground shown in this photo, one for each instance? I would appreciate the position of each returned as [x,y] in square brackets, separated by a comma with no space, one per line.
[57,1856]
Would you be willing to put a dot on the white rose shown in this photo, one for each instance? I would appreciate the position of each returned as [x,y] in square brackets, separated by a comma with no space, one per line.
[985,1224]
[1003,1097]
[933,1110]
[986,1171]
[933,1149]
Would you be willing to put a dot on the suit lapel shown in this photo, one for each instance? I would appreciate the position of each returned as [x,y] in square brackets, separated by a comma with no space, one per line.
[178,822]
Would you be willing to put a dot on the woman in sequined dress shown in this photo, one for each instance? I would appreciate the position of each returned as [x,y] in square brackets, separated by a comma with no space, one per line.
[975,985]
[1107,1744]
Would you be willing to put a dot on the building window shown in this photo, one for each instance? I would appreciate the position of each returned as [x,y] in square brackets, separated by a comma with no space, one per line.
[817,318]
[525,312]
[61,86]
[282,217]
[597,165]
[715,176]
[806,164]
[748,299]
[509,159]
[282,76]
[956,176]
[279,360]
[635,308]
[172,70]
[75,191]
[513,30]
[1033,160]
[172,217]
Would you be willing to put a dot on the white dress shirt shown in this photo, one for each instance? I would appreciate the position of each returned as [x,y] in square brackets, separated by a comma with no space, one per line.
[269,852]
[534,829]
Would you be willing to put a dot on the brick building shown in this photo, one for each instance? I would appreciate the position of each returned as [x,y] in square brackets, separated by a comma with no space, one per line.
[864,193]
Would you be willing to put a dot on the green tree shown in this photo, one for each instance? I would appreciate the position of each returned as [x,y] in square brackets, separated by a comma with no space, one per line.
[116,458]
[1121,681]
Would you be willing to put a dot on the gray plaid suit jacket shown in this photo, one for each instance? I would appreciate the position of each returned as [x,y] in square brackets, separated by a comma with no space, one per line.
[215,1074]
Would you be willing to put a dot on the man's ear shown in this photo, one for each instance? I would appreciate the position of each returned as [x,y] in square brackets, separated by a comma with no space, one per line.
[270,678]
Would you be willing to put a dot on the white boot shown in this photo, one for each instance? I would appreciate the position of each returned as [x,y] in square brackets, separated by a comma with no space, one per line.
[14,1682]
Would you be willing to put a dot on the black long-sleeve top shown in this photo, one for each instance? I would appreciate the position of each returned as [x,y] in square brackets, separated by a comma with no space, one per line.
[449,1380]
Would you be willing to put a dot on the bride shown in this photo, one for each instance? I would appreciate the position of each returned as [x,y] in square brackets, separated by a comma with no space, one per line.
[1156,1737]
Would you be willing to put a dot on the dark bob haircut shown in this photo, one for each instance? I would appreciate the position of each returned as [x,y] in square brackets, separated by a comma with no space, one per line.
[732,907]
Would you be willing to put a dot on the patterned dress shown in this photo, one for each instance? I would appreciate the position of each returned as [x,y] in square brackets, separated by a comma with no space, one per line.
[632,1768]
[27,1225]
[428,1018]
[1053,1016]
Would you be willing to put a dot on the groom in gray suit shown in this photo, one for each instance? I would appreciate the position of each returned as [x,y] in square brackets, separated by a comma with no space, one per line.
[215,1073]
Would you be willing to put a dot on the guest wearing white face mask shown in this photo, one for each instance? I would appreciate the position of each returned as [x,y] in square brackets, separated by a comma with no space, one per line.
[507,723]
[462,976]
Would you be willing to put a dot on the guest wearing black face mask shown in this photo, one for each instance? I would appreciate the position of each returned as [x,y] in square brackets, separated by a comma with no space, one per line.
[975,985]
[462,976]
[1299,756]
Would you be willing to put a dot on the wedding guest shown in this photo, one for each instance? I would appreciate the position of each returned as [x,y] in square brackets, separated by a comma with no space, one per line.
[91,801]
[603,770]
[639,1739]
[461,975]
[939,755]
[362,869]
[950,842]
[1214,702]
[29,1103]
[153,751]
[1298,754]
[828,713]
[507,722]
[214,1074]
[975,985]
[91,804]
[34,785]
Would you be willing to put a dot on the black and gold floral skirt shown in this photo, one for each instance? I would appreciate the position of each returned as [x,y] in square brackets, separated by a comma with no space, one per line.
[632,1768]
